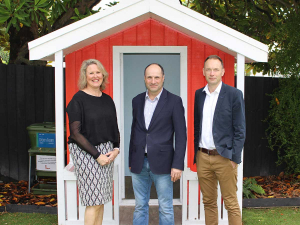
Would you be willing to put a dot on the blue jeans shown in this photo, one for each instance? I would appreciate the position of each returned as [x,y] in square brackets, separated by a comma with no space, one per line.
[164,187]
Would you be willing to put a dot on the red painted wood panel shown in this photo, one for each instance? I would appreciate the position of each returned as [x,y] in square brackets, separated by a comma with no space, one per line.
[152,32]
[171,36]
[130,37]
[103,55]
[229,69]
[157,33]
[144,33]
[88,52]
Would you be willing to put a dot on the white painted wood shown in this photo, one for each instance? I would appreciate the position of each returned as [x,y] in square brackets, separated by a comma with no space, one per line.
[116,194]
[193,200]
[59,135]
[184,194]
[130,12]
[202,214]
[240,70]
[75,212]
[81,210]
[118,52]
[108,211]
[71,196]
[241,86]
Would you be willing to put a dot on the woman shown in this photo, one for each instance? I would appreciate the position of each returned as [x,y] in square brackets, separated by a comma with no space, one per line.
[94,139]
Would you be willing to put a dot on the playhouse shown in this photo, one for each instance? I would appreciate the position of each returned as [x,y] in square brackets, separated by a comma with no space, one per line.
[124,39]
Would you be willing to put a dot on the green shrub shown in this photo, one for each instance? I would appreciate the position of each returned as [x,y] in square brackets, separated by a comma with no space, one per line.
[249,186]
[283,131]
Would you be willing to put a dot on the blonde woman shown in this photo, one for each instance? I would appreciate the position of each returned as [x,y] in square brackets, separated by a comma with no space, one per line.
[93,140]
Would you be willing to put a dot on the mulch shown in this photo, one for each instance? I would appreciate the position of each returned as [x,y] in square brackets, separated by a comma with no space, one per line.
[282,186]
[17,193]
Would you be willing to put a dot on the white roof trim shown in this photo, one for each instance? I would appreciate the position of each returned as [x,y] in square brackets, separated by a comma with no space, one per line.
[131,12]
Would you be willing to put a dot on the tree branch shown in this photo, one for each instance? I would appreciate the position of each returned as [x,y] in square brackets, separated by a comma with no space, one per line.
[65,18]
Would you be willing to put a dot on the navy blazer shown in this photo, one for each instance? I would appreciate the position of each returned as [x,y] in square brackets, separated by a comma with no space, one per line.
[168,118]
[229,126]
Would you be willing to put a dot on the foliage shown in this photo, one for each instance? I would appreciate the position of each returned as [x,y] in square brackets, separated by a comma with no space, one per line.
[26,20]
[249,186]
[284,123]
[275,23]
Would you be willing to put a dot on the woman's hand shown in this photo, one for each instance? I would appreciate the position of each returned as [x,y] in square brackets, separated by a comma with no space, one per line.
[112,154]
[103,160]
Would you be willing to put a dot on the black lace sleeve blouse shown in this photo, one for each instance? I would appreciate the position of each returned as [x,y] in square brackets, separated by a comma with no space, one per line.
[92,121]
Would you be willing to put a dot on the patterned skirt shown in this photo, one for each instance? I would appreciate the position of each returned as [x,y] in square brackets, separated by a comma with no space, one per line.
[94,181]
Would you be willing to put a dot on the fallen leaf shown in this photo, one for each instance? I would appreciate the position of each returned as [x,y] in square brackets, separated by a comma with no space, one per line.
[40,203]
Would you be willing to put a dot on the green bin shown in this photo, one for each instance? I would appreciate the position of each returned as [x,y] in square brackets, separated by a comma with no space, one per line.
[42,136]
[44,189]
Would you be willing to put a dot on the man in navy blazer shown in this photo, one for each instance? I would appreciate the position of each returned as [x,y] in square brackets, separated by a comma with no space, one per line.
[157,115]
[219,136]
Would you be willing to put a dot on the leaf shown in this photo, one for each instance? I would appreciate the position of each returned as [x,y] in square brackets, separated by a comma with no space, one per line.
[7,4]
[43,10]
[3,19]
[77,12]
[40,203]
[20,6]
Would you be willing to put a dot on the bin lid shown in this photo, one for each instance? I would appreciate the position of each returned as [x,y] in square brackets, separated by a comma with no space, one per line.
[42,127]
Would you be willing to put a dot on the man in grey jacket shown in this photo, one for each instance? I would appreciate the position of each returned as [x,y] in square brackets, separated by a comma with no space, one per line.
[219,136]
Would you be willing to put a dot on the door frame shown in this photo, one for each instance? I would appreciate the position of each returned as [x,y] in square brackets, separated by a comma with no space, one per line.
[118,78]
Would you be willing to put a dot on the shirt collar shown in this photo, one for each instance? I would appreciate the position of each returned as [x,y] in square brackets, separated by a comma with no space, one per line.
[156,98]
[218,89]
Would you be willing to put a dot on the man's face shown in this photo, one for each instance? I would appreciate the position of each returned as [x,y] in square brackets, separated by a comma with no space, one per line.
[154,79]
[213,72]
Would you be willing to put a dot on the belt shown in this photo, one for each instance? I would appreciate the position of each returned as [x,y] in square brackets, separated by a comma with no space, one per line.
[209,152]
[145,154]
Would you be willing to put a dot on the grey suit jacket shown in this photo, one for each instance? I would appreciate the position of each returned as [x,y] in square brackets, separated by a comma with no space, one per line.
[229,126]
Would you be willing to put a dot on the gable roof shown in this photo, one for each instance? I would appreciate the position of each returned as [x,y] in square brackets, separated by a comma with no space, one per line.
[130,12]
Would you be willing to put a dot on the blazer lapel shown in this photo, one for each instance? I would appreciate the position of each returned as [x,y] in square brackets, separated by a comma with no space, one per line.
[161,102]
[141,107]
[202,99]
[220,99]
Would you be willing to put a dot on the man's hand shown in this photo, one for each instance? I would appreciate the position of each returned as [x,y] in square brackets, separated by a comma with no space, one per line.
[175,174]
[233,164]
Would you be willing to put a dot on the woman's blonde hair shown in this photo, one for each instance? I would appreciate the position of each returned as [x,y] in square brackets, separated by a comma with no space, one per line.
[82,83]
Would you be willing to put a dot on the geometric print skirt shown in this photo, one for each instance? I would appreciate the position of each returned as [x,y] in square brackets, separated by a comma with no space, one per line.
[94,181]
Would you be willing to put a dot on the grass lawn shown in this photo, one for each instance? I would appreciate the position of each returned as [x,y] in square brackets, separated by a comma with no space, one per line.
[271,216]
[27,218]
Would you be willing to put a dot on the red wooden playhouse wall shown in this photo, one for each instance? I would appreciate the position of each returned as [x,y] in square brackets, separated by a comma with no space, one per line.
[151,33]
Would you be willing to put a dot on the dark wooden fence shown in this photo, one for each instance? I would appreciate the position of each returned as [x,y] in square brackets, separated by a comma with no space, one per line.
[27,97]
[259,160]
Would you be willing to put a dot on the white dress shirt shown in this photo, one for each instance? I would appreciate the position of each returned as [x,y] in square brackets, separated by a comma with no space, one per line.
[209,106]
[150,106]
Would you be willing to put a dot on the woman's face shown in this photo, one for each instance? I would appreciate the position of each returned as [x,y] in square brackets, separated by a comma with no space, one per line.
[94,77]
